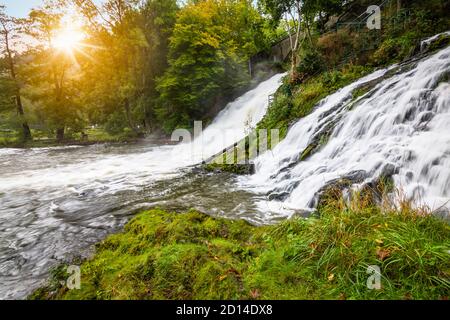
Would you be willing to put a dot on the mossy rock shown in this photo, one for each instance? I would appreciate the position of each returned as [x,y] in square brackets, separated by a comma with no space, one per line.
[239,169]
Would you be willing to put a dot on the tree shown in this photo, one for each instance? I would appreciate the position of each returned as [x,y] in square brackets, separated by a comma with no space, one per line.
[141,64]
[157,20]
[7,89]
[298,13]
[131,41]
[291,12]
[8,31]
[319,11]
[208,53]
[52,71]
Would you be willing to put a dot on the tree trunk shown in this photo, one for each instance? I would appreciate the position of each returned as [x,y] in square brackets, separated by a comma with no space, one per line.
[293,67]
[128,115]
[60,134]
[25,126]
[308,30]
[296,43]
[59,82]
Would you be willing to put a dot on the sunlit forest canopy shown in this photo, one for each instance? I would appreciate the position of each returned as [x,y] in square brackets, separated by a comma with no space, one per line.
[127,66]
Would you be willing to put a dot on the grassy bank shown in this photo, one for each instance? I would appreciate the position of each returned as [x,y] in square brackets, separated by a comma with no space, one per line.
[12,139]
[295,101]
[162,255]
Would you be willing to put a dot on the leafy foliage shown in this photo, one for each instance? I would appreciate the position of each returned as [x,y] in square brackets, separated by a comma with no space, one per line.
[141,65]
[209,49]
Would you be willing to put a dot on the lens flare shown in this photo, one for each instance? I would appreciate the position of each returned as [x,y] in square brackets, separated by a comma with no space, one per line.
[67,40]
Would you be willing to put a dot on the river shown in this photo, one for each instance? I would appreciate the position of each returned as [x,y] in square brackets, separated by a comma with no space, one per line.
[56,202]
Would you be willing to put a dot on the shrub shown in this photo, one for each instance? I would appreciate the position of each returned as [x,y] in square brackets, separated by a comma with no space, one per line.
[115,123]
[395,49]
[334,47]
[311,63]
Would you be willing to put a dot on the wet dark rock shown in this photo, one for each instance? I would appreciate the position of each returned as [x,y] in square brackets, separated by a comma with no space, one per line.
[334,188]
[409,175]
[426,117]
[239,169]
[436,162]
[389,170]
[278,196]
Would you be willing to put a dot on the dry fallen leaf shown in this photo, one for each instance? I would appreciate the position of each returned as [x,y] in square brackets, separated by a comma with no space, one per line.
[255,294]
[383,254]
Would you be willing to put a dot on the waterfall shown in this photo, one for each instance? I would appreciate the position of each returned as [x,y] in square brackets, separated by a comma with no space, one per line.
[158,162]
[400,128]
[232,123]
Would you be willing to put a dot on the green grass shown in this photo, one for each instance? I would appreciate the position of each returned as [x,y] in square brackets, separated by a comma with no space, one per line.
[163,255]
[293,102]
[98,134]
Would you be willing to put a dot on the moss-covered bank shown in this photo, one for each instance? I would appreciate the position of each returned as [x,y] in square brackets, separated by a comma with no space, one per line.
[163,255]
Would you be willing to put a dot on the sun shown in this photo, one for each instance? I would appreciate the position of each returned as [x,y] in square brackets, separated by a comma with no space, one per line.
[67,40]
[71,41]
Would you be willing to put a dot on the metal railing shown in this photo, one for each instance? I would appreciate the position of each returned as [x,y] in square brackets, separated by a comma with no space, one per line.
[360,22]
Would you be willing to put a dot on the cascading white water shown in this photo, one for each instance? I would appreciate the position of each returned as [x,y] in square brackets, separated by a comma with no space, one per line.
[401,127]
[231,124]
[228,128]
[56,202]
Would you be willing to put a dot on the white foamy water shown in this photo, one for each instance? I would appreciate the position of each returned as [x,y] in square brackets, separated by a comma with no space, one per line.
[425,43]
[228,127]
[402,126]
[56,202]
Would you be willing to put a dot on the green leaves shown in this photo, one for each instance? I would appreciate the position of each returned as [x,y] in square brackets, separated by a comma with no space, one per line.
[7,87]
[142,64]
[211,43]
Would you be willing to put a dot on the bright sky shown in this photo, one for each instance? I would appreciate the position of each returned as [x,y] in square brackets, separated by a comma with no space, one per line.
[20,8]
